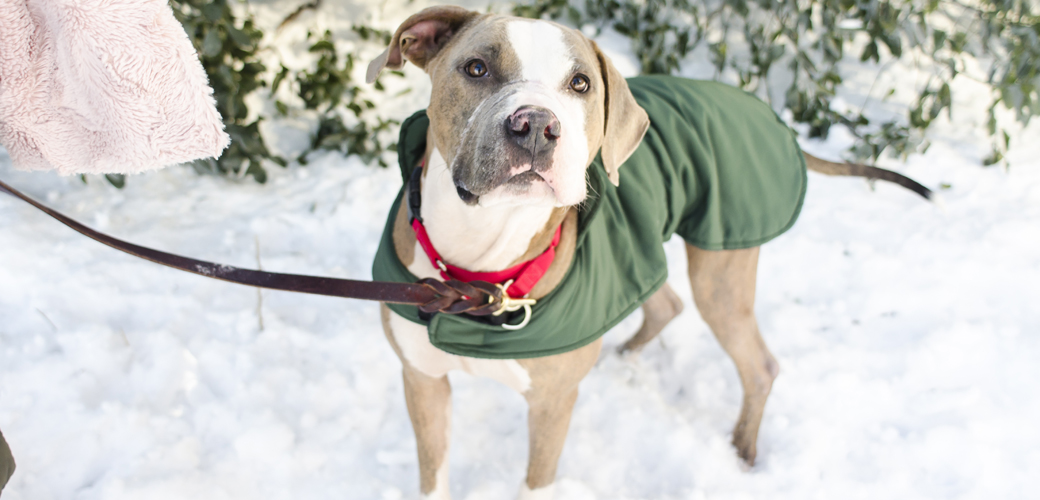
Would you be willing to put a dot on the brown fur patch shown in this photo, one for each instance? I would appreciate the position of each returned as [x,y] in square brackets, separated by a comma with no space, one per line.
[564,255]
[404,236]
[542,238]
[455,97]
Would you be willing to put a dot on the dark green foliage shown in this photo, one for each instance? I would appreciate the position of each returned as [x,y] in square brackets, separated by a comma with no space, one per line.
[229,49]
[328,87]
[747,40]
[810,38]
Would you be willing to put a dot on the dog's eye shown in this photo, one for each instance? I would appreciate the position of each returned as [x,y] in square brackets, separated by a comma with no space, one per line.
[580,83]
[476,68]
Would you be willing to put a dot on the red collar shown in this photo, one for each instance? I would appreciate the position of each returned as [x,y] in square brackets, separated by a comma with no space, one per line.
[524,276]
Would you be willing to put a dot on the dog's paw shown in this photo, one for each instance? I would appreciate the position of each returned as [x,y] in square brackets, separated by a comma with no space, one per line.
[543,493]
[746,450]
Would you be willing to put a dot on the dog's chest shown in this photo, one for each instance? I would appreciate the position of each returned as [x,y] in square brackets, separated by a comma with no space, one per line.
[414,342]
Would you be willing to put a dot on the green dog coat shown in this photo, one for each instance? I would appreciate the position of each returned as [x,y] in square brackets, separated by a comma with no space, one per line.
[6,462]
[717,167]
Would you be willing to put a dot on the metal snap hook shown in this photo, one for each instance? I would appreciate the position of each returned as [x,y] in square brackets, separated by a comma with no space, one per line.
[527,319]
[510,304]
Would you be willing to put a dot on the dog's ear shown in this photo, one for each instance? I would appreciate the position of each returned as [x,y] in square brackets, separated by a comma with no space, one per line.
[420,37]
[624,121]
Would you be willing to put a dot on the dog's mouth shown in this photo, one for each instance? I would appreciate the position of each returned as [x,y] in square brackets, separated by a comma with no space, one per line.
[524,178]
[466,196]
[516,185]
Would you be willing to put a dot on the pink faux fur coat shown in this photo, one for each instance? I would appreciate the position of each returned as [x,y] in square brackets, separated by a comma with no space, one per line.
[102,86]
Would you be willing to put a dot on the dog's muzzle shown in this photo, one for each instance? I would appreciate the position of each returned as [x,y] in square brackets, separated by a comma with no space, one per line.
[513,148]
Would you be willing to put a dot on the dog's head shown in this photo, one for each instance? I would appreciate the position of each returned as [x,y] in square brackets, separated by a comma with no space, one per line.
[519,107]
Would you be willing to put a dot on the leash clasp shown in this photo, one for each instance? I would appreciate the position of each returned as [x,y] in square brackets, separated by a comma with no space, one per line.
[509,304]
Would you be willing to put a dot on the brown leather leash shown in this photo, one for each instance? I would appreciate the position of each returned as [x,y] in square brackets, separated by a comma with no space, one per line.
[478,298]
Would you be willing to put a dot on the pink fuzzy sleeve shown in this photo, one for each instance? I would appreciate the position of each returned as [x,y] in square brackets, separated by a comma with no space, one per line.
[102,86]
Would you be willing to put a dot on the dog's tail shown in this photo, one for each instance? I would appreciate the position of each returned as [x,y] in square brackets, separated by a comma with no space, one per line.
[856,170]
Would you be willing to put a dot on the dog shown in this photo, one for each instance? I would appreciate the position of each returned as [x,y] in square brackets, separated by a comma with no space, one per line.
[537,157]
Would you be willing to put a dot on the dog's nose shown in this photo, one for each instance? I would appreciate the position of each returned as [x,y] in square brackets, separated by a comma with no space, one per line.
[533,127]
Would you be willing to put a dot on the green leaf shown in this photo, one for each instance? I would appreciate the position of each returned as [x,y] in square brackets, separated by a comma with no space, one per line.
[945,100]
[284,72]
[117,180]
[994,158]
[212,45]
[240,38]
[323,46]
[257,172]
[938,39]
[870,52]
[894,43]
[213,11]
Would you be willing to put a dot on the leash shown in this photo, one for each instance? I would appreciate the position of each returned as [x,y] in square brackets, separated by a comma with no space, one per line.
[478,298]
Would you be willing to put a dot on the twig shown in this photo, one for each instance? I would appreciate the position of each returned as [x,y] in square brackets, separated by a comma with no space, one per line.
[259,292]
[312,5]
[881,71]
[55,327]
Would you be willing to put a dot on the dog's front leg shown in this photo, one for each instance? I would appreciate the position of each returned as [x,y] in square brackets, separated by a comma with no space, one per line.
[429,406]
[554,389]
[548,418]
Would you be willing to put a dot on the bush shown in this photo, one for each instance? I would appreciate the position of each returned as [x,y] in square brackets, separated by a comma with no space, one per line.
[746,41]
[330,89]
[230,48]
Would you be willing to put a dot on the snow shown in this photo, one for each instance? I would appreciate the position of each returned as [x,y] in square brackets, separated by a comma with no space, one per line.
[907,338]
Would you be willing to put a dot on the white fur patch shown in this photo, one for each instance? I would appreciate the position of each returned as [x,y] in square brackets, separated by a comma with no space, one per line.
[546,62]
[543,55]
[416,348]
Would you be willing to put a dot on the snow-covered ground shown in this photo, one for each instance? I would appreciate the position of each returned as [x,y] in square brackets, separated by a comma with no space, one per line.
[908,340]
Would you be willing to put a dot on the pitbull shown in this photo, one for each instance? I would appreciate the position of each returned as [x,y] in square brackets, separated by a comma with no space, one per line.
[519,111]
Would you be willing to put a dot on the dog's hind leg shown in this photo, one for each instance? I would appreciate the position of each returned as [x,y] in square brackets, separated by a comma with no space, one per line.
[660,309]
[723,285]
[554,389]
